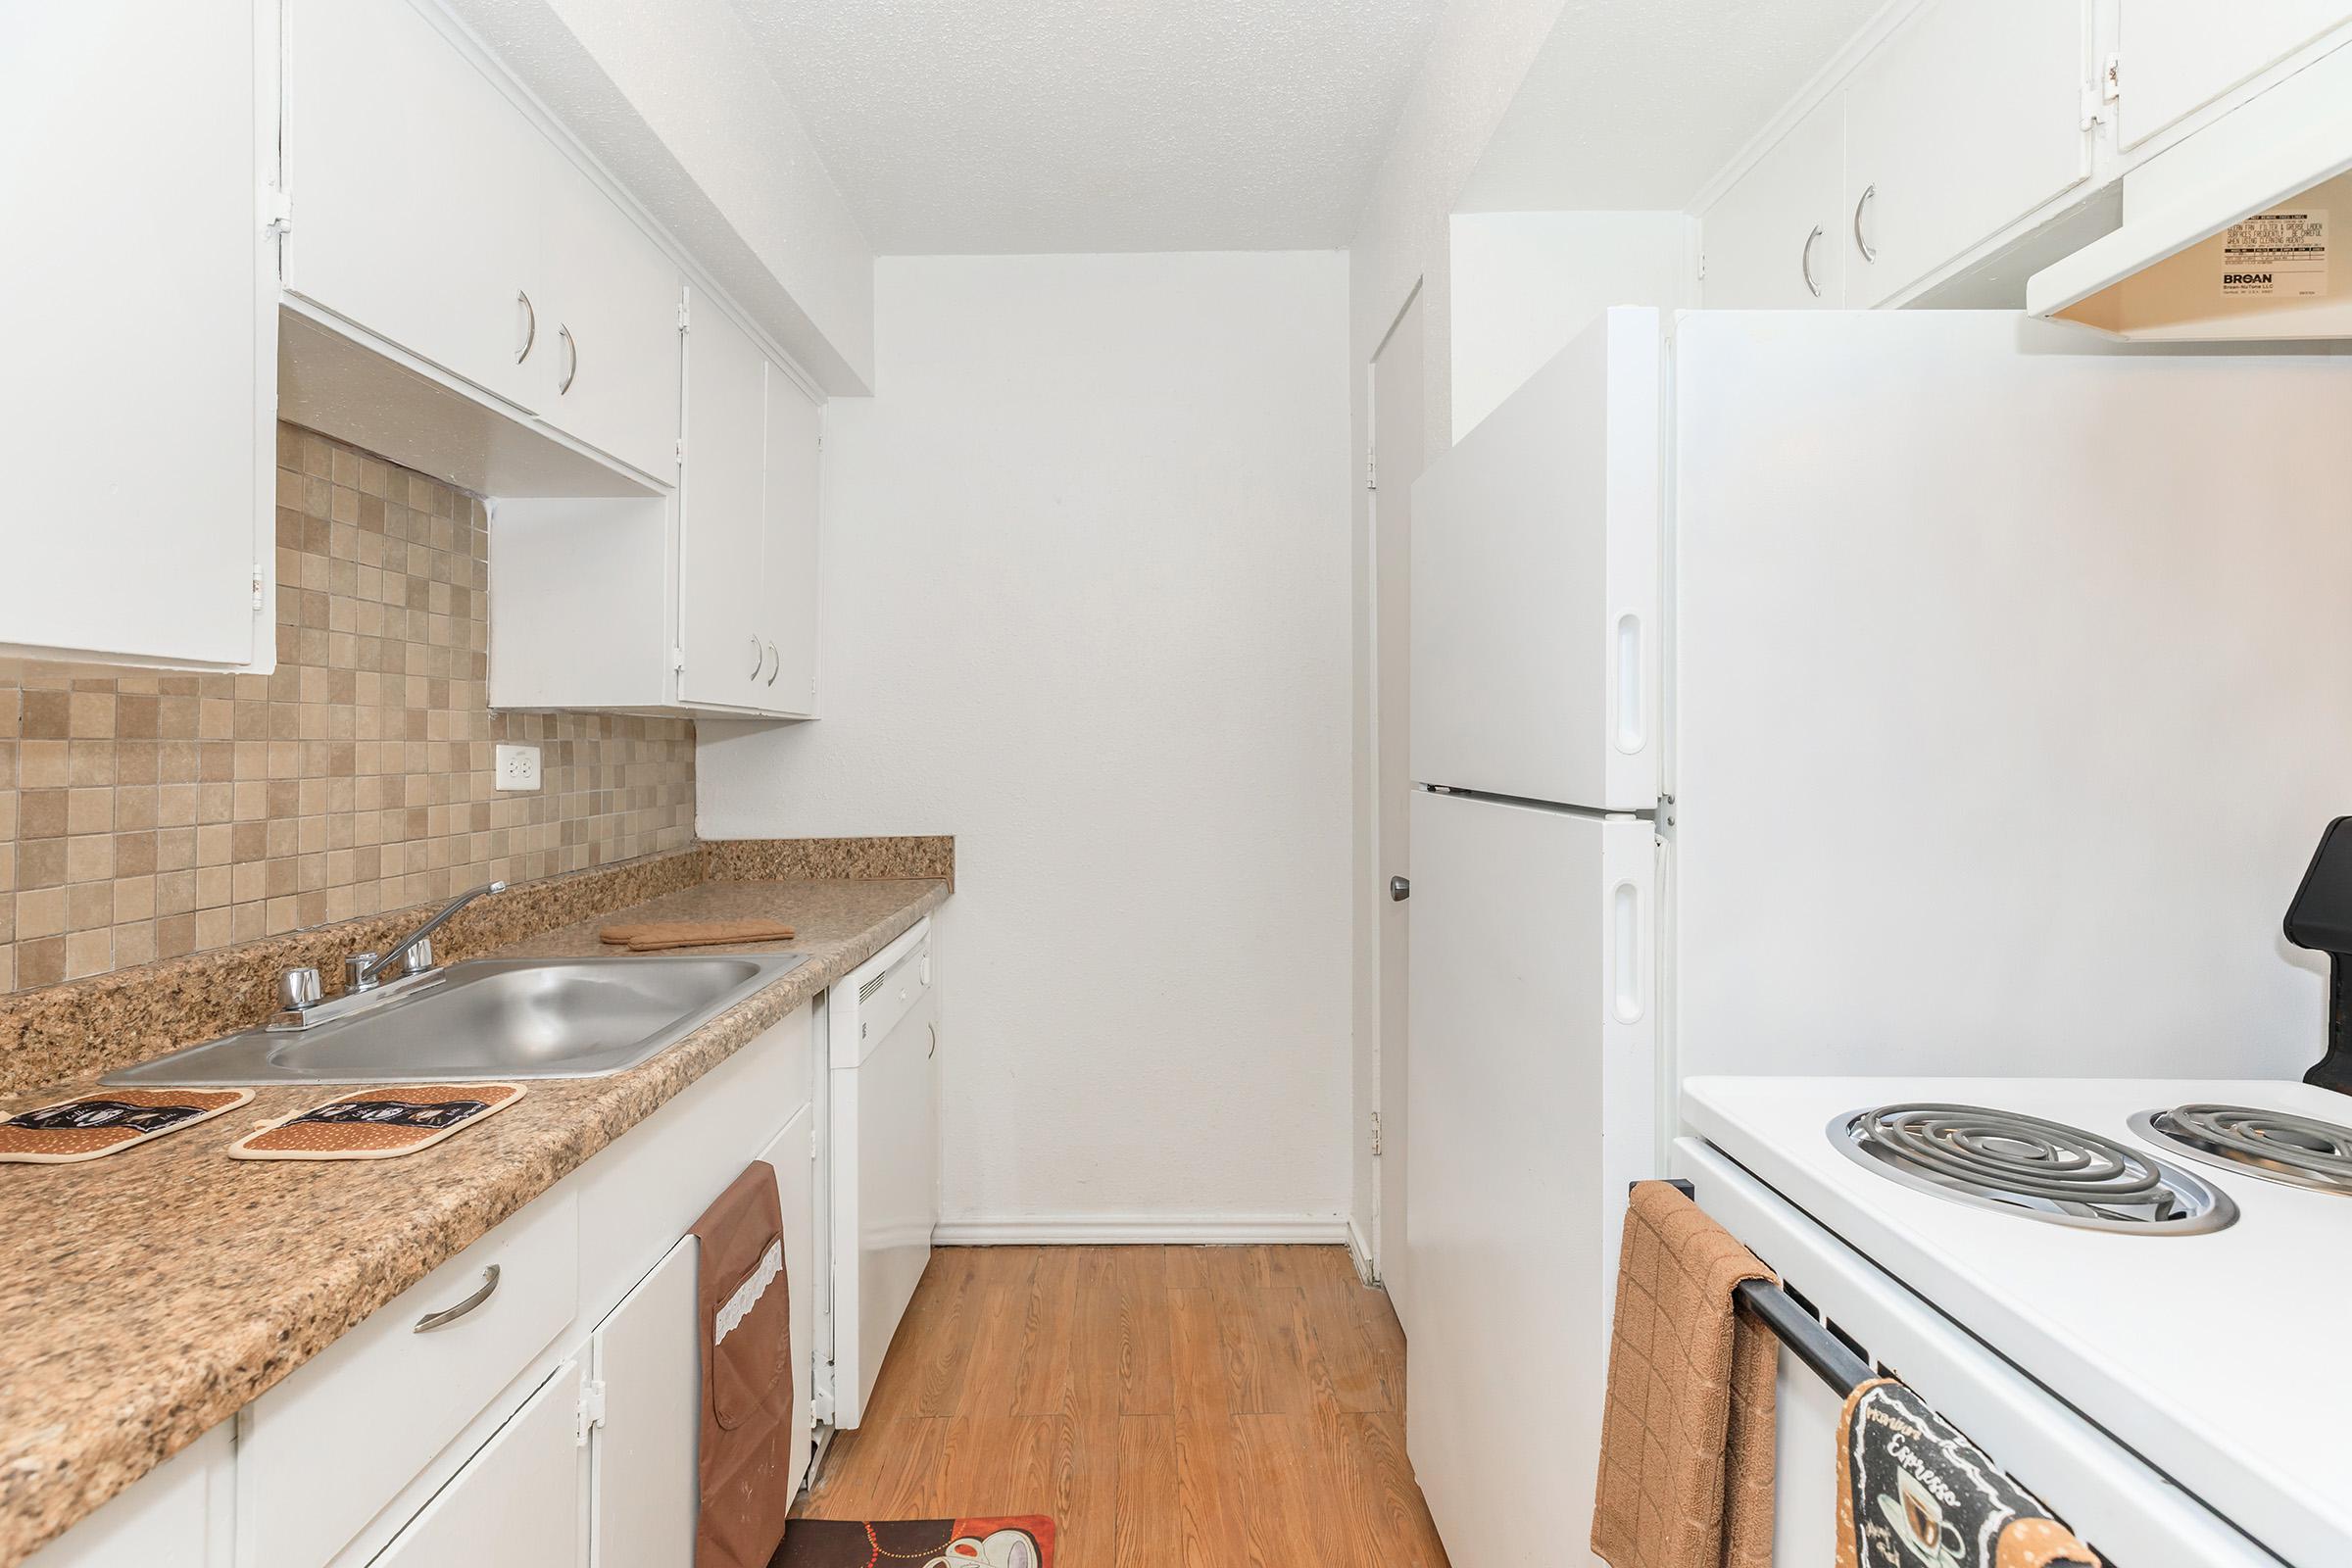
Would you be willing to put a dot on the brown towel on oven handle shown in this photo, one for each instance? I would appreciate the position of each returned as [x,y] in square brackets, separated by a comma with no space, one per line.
[744,1313]
[1921,1477]
[1687,1437]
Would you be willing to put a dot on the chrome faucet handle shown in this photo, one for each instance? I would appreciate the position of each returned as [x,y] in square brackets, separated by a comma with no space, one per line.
[417,957]
[299,989]
[359,971]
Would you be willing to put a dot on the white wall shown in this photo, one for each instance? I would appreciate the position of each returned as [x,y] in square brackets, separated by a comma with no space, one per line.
[1086,609]
[673,100]
[1476,60]
[1524,283]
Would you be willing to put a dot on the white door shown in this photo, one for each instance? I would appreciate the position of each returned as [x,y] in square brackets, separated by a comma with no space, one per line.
[793,1154]
[788,609]
[1777,239]
[139,330]
[614,362]
[648,1357]
[1534,1103]
[721,512]
[1535,584]
[2179,55]
[1399,454]
[417,193]
[516,1504]
[1964,120]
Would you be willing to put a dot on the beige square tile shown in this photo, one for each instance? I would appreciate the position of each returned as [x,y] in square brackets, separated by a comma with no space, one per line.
[89,953]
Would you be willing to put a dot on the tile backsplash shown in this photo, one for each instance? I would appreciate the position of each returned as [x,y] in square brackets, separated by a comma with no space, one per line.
[144,815]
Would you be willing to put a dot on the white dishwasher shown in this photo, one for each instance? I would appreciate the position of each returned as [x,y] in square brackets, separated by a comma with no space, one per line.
[883,1024]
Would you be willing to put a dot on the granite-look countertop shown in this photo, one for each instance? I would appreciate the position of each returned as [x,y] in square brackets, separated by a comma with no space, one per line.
[147,1296]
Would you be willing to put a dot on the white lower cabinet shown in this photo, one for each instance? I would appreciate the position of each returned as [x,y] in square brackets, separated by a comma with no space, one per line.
[516,1503]
[649,1386]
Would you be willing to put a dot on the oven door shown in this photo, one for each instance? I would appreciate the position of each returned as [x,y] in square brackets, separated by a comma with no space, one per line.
[2132,1514]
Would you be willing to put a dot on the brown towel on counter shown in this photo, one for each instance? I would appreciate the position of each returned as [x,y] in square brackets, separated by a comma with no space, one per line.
[653,936]
[1929,1496]
[745,1321]
[1686,1439]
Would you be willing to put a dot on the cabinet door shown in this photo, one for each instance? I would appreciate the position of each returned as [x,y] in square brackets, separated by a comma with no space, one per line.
[516,1504]
[416,188]
[142,358]
[1774,240]
[792,1153]
[612,368]
[647,1358]
[2179,55]
[788,580]
[1963,121]
[721,513]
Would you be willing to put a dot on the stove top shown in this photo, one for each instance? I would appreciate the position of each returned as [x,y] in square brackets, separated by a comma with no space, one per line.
[2276,1145]
[2029,1166]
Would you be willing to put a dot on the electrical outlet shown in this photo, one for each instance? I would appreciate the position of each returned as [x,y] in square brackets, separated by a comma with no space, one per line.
[519,767]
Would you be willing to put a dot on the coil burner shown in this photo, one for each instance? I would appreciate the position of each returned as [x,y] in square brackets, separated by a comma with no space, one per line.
[2276,1145]
[2046,1170]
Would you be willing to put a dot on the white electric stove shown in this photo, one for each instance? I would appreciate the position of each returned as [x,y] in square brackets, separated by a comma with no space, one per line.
[2132,1293]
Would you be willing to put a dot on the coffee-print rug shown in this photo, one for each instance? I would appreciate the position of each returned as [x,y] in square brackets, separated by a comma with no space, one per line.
[1015,1542]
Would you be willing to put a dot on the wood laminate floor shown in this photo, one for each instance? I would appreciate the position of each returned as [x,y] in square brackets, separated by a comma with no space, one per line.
[1171,1406]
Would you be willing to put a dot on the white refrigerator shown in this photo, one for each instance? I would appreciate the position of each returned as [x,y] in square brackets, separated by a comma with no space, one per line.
[1833,693]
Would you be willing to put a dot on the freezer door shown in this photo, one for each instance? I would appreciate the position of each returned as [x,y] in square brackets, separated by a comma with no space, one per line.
[1535,584]
[1533,1101]
[2009,696]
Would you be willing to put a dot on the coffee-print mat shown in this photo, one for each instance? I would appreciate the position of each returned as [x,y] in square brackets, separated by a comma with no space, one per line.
[1913,1493]
[95,1125]
[1020,1541]
[376,1123]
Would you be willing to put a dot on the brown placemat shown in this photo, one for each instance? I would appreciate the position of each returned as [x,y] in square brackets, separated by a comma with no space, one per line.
[376,1123]
[95,1125]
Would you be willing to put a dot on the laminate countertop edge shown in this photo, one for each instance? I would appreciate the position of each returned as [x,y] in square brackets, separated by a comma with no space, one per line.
[148,1297]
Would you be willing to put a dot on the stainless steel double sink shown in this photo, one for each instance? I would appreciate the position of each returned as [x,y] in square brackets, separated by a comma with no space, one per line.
[494,1018]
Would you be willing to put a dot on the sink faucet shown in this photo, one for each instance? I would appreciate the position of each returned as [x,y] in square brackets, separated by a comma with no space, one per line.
[362,970]
[301,1004]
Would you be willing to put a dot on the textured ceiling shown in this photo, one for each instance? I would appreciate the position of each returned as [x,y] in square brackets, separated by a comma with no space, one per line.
[1017,125]
[1638,104]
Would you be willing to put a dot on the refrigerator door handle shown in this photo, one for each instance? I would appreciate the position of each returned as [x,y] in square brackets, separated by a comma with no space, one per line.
[1628,694]
[1627,1001]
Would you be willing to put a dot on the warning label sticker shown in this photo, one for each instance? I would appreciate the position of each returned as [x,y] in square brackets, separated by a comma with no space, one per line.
[2282,254]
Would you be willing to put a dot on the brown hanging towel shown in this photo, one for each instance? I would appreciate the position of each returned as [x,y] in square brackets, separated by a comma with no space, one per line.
[745,1314]
[1686,1438]
[1912,1490]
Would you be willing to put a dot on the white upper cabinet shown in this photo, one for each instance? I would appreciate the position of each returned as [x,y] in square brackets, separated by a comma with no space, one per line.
[2179,55]
[1968,118]
[722,520]
[787,612]
[1776,240]
[139,325]
[429,212]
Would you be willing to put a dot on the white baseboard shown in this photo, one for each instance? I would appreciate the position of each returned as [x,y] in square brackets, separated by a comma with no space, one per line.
[1360,1248]
[1112,1230]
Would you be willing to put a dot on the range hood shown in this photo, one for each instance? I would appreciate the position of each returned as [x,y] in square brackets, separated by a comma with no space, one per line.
[2258,248]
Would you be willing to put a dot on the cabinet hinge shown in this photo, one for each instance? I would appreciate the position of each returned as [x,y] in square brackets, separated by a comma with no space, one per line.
[592,1410]
[2111,78]
[1371,470]
[281,210]
[680,449]
[1376,1135]
[681,315]
[2105,89]
[677,660]
[812,1139]
[261,580]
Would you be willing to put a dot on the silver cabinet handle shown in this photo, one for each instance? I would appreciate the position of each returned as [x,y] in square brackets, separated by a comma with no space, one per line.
[450,1314]
[775,665]
[758,658]
[1400,890]
[572,355]
[934,1050]
[530,326]
[1861,244]
[1804,260]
